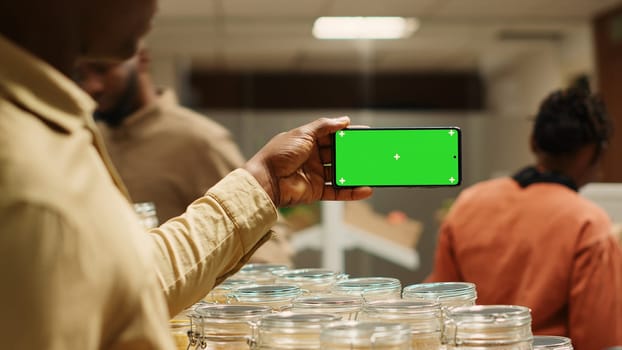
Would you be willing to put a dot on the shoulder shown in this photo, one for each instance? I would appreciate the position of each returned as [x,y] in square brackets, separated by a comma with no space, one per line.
[194,124]
[487,188]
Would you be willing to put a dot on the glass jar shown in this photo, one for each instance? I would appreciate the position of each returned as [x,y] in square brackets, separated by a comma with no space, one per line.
[370,288]
[260,273]
[424,318]
[448,294]
[179,330]
[549,342]
[146,212]
[346,306]
[226,327]
[218,294]
[179,326]
[498,327]
[289,331]
[360,335]
[312,280]
[276,296]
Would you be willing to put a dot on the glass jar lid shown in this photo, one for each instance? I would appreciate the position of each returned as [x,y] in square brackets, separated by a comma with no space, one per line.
[440,291]
[233,312]
[298,321]
[488,324]
[306,274]
[328,301]
[268,291]
[367,284]
[262,268]
[549,342]
[232,283]
[365,333]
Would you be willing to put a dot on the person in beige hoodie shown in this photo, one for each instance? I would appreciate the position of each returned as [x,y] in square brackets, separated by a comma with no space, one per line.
[134,117]
[78,269]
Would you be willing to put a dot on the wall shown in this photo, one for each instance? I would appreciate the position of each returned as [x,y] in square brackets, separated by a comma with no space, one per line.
[495,142]
[608,37]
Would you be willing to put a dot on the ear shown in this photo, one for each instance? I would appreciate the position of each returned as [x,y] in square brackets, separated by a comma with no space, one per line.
[532,144]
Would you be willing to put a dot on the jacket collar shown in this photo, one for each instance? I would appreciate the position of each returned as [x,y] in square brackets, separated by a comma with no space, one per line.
[34,85]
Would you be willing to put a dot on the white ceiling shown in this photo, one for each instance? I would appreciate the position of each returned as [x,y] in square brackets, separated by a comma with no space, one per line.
[276,34]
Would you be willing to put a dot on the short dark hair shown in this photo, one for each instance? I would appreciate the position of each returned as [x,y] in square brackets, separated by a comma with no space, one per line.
[569,120]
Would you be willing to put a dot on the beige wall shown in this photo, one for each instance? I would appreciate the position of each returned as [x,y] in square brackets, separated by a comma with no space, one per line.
[495,141]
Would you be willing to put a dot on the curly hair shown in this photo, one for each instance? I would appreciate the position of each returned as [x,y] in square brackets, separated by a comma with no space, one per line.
[571,119]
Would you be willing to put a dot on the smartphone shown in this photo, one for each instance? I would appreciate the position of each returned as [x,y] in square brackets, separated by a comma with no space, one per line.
[400,157]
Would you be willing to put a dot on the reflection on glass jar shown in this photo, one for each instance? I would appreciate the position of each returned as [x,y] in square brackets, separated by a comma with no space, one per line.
[359,335]
[549,342]
[288,331]
[227,327]
[490,327]
[219,294]
[276,296]
[370,288]
[345,306]
[147,214]
[448,294]
[312,280]
[260,273]
[424,317]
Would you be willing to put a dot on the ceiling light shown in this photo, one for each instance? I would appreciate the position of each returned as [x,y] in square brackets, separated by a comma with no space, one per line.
[364,27]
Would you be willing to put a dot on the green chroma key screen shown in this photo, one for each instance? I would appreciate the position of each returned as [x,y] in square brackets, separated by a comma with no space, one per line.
[397,157]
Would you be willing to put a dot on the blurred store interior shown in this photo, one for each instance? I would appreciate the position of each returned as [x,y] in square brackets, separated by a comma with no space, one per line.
[481,65]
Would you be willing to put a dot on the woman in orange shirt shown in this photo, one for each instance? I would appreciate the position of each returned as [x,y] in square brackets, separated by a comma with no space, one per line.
[532,240]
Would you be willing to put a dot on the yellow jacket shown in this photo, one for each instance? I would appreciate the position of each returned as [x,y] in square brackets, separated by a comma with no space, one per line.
[77,269]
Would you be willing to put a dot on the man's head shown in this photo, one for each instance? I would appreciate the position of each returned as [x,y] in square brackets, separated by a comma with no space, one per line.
[571,133]
[61,31]
[112,29]
[119,88]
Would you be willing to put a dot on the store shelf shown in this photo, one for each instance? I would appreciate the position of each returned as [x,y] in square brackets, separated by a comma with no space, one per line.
[333,237]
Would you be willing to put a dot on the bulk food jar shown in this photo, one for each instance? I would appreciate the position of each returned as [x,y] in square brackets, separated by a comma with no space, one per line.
[424,318]
[288,331]
[347,307]
[260,273]
[276,296]
[219,294]
[364,335]
[225,327]
[448,294]
[179,330]
[488,327]
[311,280]
[179,326]
[370,288]
[549,342]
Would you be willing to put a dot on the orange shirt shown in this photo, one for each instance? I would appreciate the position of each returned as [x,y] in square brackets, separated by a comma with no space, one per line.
[543,246]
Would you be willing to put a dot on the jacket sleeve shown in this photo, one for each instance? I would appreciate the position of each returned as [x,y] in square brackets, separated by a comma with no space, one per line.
[214,237]
[445,267]
[595,307]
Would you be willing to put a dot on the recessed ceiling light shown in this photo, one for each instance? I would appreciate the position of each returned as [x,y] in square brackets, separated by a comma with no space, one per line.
[364,27]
